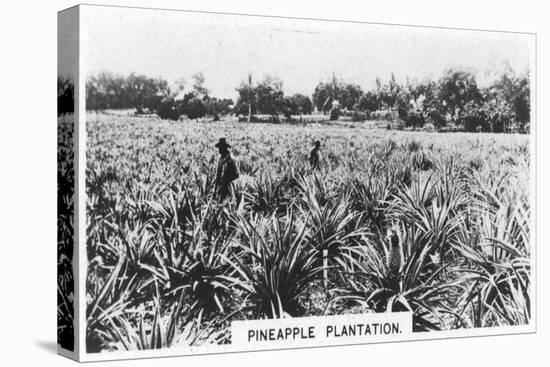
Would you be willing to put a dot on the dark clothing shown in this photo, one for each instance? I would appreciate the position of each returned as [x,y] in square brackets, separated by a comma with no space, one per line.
[227,173]
[315,157]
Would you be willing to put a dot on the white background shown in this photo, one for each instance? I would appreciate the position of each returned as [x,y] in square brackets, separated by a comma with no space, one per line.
[28,183]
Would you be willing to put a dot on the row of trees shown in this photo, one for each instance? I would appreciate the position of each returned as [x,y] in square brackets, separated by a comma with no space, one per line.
[267,98]
[148,95]
[194,104]
[454,100]
[107,90]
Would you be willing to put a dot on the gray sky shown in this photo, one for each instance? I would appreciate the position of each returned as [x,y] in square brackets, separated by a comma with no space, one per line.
[226,48]
[67,43]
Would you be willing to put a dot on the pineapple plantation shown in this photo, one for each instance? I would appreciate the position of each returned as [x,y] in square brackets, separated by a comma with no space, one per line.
[431,223]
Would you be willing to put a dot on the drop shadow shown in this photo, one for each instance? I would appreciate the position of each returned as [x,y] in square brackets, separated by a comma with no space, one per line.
[48,346]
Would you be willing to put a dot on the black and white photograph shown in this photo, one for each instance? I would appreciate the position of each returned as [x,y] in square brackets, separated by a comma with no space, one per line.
[246,169]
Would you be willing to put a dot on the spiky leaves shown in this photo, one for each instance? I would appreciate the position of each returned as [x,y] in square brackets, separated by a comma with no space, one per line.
[276,264]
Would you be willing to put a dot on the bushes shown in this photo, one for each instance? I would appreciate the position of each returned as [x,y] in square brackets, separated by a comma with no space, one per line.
[334,114]
[436,118]
[490,116]
[168,110]
[171,109]
[152,103]
[454,99]
[414,119]
[411,114]
[360,115]
[106,90]
[195,108]
[346,94]
[473,119]
[428,127]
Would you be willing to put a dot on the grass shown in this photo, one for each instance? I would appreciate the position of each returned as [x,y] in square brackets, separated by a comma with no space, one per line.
[436,224]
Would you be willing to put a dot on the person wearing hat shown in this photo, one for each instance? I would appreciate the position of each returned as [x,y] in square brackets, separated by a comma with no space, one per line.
[227,169]
[315,155]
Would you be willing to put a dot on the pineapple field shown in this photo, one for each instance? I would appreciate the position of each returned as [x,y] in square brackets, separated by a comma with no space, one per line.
[437,224]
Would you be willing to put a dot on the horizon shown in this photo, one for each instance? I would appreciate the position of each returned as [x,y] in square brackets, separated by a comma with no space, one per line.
[302,53]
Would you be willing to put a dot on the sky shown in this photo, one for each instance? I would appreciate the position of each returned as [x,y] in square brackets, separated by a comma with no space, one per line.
[225,48]
[67,43]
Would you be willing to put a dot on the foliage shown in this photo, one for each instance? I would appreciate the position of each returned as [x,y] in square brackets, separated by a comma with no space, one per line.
[269,96]
[368,101]
[515,91]
[453,102]
[65,231]
[497,284]
[195,108]
[346,94]
[106,90]
[276,266]
[65,96]
[456,89]
[334,114]
[303,104]
[168,109]
[190,105]
[412,112]
[246,102]
[359,116]
[389,94]
[218,107]
[394,222]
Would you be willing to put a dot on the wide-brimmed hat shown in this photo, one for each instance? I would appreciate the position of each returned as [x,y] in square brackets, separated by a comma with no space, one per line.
[222,143]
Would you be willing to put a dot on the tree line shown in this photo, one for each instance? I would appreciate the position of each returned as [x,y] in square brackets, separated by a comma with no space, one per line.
[454,101]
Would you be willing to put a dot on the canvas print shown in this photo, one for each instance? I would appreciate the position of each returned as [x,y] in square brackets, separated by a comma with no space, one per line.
[257,183]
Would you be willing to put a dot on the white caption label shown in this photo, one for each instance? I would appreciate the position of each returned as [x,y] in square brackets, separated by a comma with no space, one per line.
[326,330]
